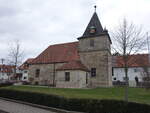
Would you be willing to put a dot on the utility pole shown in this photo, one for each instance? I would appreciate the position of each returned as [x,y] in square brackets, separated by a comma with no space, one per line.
[148,44]
[2,61]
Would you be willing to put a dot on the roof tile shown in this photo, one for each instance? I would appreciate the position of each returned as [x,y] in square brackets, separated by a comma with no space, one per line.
[73,65]
[138,60]
[58,53]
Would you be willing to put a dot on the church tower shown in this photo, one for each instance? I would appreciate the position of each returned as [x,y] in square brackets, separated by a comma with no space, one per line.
[95,53]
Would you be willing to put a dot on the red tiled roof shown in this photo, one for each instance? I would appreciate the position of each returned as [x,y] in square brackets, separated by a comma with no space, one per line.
[29,60]
[58,53]
[6,68]
[138,60]
[25,65]
[73,65]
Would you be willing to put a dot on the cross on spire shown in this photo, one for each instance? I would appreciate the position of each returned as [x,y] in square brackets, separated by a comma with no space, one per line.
[95,7]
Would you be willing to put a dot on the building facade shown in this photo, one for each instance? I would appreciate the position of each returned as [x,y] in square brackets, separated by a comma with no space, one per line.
[138,69]
[6,72]
[24,70]
[85,63]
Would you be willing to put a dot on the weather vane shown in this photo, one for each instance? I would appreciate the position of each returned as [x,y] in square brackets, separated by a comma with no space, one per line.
[95,7]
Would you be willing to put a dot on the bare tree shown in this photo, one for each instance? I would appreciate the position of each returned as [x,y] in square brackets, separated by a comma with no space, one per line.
[145,71]
[127,39]
[146,77]
[15,54]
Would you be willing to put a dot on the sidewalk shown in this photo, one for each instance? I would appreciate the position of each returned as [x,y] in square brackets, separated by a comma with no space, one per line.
[13,107]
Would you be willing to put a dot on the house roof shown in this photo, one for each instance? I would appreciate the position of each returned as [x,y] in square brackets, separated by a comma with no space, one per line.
[73,65]
[6,68]
[29,60]
[138,60]
[25,65]
[58,53]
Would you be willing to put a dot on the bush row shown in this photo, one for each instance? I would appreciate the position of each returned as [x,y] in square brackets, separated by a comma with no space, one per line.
[5,84]
[82,105]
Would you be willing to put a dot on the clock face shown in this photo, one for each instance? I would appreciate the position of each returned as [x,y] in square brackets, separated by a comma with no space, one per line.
[92,29]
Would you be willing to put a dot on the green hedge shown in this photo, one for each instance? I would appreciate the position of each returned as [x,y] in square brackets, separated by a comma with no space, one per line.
[6,84]
[82,105]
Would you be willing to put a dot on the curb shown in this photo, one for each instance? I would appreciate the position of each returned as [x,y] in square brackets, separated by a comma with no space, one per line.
[40,106]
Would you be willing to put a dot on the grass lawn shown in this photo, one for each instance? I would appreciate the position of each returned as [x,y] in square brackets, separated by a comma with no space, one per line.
[135,94]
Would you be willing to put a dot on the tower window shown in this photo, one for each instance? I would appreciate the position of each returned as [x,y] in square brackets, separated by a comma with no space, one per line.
[92,42]
[67,76]
[93,72]
[92,30]
[37,72]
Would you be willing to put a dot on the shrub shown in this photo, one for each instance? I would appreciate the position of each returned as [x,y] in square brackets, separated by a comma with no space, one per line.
[4,84]
[82,105]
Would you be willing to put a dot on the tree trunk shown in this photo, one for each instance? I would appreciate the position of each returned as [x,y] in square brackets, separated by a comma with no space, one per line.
[126,86]
[126,76]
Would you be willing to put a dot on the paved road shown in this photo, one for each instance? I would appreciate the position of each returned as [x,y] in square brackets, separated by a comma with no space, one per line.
[13,107]
[3,111]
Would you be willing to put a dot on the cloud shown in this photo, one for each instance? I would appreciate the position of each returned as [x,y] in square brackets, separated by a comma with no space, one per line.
[136,11]
[39,23]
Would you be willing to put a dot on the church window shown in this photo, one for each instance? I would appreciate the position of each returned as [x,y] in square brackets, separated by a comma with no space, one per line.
[93,72]
[36,83]
[112,71]
[92,42]
[86,78]
[67,76]
[37,72]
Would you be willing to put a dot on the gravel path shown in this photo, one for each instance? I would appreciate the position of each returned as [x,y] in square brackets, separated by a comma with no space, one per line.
[13,107]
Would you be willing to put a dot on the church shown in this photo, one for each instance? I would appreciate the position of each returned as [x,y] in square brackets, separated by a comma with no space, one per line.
[80,64]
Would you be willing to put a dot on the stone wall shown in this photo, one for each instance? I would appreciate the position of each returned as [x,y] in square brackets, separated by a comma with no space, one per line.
[98,60]
[100,43]
[98,57]
[47,73]
[77,79]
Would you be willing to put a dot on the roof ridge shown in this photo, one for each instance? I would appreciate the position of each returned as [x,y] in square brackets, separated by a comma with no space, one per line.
[63,43]
[133,54]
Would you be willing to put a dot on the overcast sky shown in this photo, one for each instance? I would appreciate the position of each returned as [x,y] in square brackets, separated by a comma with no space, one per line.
[40,23]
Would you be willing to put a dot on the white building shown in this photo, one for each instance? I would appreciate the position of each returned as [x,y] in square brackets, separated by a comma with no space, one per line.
[136,65]
[6,72]
[24,70]
[119,75]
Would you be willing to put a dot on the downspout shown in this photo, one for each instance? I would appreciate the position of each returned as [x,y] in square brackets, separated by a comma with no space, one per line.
[54,75]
